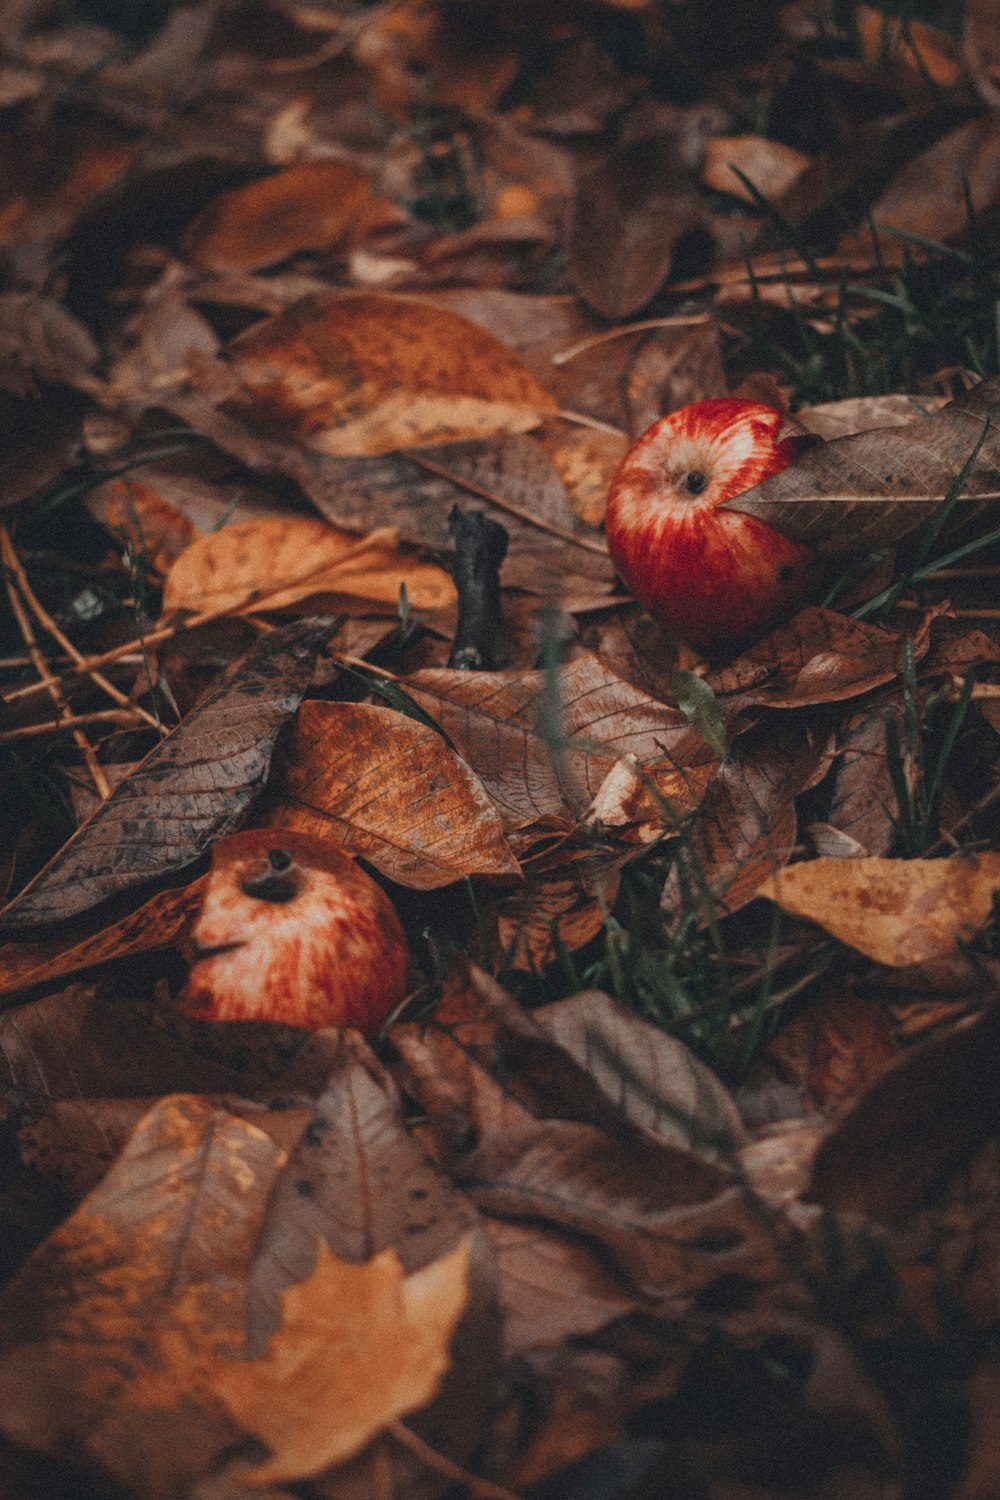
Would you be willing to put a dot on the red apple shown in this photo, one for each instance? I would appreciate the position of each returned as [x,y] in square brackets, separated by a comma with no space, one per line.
[712,577]
[291,930]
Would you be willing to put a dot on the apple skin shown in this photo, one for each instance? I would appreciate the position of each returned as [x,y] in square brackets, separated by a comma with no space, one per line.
[712,577]
[291,930]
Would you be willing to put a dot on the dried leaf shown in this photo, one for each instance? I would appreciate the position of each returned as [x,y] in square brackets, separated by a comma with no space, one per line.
[771,166]
[279,562]
[654,1079]
[559,909]
[159,923]
[858,493]
[390,789]
[360,375]
[99,1329]
[747,824]
[496,721]
[193,786]
[309,206]
[629,211]
[895,911]
[358,1347]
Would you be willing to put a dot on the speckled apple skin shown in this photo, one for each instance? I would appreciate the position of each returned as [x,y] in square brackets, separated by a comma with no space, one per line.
[712,577]
[331,954]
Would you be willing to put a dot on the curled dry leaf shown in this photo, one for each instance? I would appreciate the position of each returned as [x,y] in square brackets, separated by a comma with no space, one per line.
[361,374]
[310,206]
[897,912]
[874,488]
[389,789]
[279,561]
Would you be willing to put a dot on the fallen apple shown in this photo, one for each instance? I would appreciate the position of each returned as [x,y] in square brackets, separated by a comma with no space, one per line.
[712,576]
[292,930]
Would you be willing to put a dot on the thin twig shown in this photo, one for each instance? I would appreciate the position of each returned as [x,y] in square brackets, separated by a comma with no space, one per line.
[124,717]
[684,320]
[49,683]
[480,1489]
[504,504]
[48,623]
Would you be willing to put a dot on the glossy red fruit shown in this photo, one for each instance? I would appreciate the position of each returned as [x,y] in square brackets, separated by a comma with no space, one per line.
[712,577]
[292,930]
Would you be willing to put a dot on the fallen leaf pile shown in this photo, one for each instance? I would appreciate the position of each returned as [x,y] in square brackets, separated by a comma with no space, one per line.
[676,1172]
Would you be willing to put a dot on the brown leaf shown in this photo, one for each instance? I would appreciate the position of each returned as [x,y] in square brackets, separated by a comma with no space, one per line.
[895,911]
[279,562]
[819,656]
[389,789]
[629,211]
[312,205]
[862,802]
[927,195]
[914,1127]
[559,908]
[653,1208]
[553,1288]
[747,825]
[362,374]
[493,718]
[771,166]
[159,923]
[858,493]
[655,1080]
[510,478]
[358,1347]
[194,785]
[89,1324]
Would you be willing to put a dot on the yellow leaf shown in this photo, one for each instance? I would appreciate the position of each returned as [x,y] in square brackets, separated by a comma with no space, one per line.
[359,1346]
[279,561]
[896,911]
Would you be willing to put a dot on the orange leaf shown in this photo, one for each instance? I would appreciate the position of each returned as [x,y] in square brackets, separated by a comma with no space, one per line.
[360,375]
[391,790]
[898,912]
[310,206]
[359,1346]
[277,562]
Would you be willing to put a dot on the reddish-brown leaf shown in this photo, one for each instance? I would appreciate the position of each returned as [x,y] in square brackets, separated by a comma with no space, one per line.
[312,205]
[361,374]
[389,789]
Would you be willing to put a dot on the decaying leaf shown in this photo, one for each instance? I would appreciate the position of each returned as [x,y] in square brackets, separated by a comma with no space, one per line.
[390,789]
[158,923]
[194,785]
[533,768]
[631,207]
[360,375]
[309,206]
[896,911]
[358,1347]
[278,562]
[871,489]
